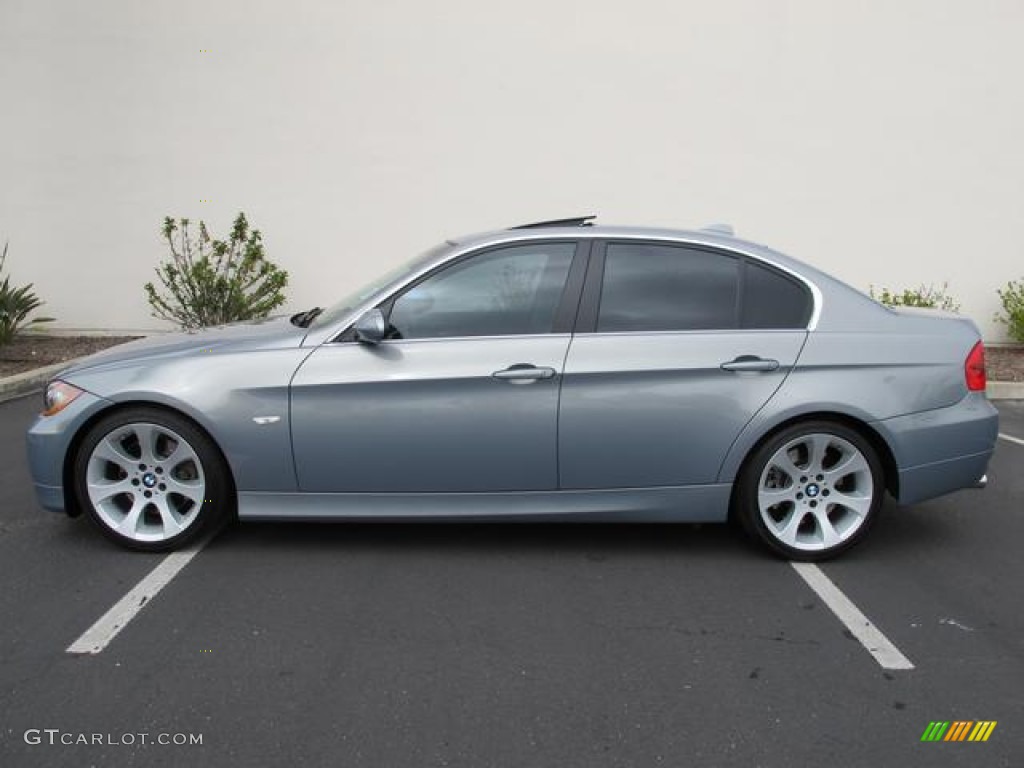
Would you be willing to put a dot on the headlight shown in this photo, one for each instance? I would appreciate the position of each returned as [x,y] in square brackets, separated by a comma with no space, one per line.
[59,395]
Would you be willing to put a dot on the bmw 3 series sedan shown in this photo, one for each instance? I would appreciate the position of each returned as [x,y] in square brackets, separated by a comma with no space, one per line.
[556,371]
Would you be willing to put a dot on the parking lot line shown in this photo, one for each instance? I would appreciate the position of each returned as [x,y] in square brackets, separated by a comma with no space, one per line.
[878,645]
[99,635]
[1016,440]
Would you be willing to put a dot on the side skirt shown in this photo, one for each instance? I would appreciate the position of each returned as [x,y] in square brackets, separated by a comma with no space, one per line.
[687,504]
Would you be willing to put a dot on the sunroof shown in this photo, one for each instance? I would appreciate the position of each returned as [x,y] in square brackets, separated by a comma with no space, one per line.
[581,221]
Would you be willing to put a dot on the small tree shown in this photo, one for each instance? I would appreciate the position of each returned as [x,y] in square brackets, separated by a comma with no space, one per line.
[1012,297]
[212,282]
[922,296]
[16,304]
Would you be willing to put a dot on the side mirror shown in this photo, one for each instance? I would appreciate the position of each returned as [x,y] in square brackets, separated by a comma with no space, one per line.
[371,327]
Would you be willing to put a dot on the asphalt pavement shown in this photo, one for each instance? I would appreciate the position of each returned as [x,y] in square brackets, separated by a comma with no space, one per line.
[512,645]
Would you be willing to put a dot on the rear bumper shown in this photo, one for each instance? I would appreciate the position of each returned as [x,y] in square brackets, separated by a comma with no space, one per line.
[931,480]
[943,450]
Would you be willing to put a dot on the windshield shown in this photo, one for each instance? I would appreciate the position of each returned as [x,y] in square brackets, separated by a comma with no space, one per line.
[337,311]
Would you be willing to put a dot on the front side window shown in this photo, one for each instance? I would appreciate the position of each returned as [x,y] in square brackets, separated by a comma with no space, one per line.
[508,291]
[667,288]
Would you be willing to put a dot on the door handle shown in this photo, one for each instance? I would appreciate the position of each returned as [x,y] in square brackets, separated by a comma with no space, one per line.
[750,364]
[524,372]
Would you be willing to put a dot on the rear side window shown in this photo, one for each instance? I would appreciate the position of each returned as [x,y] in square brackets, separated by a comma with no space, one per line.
[667,288]
[773,299]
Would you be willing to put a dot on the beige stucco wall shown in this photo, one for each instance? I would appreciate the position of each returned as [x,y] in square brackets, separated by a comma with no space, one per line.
[879,140]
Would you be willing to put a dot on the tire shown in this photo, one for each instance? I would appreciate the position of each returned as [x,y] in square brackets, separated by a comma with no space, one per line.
[811,491]
[151,480]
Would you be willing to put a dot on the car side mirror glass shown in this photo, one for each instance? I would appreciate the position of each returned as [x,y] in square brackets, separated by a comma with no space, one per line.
[371,327]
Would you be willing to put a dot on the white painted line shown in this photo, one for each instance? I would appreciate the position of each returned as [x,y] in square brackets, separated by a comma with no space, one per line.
[1016,440]
[99,635]
[886,654]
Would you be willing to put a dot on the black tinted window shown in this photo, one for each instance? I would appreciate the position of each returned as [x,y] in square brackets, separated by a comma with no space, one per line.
[667,288]
[513,290]
[772,299]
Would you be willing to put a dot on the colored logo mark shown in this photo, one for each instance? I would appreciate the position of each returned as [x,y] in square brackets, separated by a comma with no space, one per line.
[959,730]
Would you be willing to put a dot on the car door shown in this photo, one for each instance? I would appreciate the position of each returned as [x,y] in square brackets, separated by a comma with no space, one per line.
[463,394]
[677,347]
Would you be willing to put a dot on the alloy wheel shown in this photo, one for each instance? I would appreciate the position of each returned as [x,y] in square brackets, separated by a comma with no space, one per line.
[145,482]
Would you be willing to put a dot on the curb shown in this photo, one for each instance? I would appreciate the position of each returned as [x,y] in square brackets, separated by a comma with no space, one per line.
[1005,390]
[29,381]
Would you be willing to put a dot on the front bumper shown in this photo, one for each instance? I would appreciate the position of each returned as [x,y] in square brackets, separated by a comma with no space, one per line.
[48,441]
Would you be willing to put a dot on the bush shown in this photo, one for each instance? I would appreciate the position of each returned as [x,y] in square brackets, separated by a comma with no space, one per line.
[1012,298]
[212,282]
[16,304]
[922,296]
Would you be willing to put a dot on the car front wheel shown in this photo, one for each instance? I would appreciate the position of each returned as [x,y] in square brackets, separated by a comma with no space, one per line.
[150,479]
[811,491]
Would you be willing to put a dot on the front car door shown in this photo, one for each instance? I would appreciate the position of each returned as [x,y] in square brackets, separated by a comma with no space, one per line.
[463,395]
[677,347]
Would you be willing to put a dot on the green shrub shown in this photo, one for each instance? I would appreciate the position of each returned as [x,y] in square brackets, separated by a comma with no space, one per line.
[212,282]
[1012,297]
[16,304]
[922,296]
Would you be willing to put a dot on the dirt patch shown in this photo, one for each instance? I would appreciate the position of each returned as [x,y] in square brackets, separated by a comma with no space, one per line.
[29,351]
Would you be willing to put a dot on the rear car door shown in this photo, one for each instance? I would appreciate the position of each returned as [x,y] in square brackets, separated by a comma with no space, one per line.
[677,347]
[463,396]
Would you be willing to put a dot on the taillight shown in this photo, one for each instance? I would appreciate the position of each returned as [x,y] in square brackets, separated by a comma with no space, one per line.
[974,368]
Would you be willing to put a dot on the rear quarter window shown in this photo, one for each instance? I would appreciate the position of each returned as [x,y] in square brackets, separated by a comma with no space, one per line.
[773,299]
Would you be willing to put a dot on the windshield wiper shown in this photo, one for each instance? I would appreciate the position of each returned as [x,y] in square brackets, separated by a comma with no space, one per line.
[303,319]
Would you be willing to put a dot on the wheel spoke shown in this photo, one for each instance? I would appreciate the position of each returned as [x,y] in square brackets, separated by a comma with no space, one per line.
[130,524]
[172,522]
[829,535]
[110,450]
[782,462]
[851,463]
[181,453]
[857,504]
[147,436]
[816,449]
[787,530]
[769,497]
[194,490]
[99,492]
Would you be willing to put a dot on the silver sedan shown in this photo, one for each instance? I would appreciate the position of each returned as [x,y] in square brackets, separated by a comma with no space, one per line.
[557,371]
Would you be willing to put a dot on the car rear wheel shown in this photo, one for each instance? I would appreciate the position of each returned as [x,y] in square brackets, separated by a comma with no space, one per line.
[150,479]
[811,491]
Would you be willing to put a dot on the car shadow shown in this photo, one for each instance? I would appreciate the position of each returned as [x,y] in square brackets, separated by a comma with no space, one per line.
[595,541]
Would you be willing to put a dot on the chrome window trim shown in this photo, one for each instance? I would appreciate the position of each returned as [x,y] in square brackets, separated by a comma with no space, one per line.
[511,237]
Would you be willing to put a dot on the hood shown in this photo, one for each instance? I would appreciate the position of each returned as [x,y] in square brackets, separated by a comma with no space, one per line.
[272,333]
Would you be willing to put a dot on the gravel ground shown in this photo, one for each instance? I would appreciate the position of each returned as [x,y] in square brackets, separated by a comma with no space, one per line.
[1005,363]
